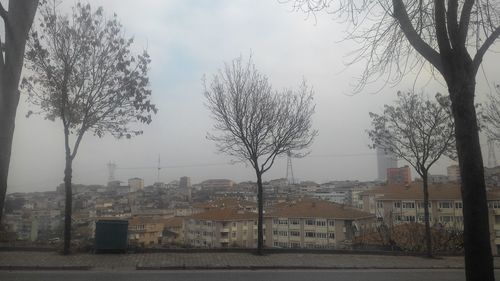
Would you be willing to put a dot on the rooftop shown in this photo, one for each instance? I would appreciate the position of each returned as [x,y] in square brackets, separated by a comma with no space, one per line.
[310,208]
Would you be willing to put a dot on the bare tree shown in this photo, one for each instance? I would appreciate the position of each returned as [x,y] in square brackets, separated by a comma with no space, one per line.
[256,124]
[419,131]
[490,115]
[82,72]
[17,22]
[452,37]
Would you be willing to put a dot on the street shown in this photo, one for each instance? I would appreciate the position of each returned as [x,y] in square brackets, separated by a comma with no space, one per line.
[240,275]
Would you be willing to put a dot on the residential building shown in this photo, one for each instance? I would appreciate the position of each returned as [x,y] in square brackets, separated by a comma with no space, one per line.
[218,184]
[221,228]
[316,224]
[398,204]
[145,230]
[399,175]
[135,184]
[172,231]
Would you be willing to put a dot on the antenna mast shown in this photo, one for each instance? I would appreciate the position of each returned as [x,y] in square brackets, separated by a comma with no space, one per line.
[158,169]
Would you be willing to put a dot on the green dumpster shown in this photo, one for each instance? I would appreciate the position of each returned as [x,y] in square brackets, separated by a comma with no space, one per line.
[111,236]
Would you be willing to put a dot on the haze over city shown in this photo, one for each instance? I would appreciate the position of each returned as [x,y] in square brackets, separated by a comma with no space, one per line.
[190,39]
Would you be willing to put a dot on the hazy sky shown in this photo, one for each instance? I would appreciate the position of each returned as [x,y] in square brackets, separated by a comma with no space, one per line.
[187,39]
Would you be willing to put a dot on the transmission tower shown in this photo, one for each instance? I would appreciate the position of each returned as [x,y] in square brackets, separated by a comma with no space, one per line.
[111,171]
[492,159]
[289,169]
[158,169]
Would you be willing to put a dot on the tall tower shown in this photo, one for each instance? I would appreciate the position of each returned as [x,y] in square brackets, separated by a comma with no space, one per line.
[385,160]
[289,169]
[111,171]
[185,186]
[492,159]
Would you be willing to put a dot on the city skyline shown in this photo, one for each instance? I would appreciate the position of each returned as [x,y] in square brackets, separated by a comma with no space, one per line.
[285,46]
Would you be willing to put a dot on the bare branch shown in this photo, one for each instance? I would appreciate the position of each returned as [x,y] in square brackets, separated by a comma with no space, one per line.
[4,14]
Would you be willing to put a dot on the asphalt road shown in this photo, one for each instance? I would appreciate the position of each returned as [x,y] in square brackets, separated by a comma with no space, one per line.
[239,275]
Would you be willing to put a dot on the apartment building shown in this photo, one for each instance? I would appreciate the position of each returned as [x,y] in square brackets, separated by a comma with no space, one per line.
[145,231]
[395,204]
[221,228]
[400,175]
[310,223]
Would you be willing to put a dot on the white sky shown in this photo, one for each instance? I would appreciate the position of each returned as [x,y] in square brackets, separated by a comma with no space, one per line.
[189,38]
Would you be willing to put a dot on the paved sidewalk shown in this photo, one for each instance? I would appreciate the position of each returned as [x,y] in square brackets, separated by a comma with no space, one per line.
[51,260]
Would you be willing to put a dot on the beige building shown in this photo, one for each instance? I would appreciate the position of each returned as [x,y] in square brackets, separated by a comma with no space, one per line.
[145,230]
[404,204]
[316,224]
[221,228]
[218,184]
[135,184]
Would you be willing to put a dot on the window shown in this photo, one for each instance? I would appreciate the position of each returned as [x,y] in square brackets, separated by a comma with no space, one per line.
[310,234]
[494,204]
[309,245]
[310,222]
[321,223]
[331,235]
[294,233]
[321,235]
[458,205]
[275,232]
[380,205]
[408,218]
[283,222]
[234,224]
[294,221]
[421,218]
[283,233]
[331,222]
[397,205]
[408,205]
[275,221]
[445,219]
[445,205]
[295,245]
[233,234]
[283,244]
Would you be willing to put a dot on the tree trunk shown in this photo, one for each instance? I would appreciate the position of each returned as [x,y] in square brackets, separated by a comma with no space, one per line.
[428,237]
[8,107]
[68,172]
[260,199]
[478,257]
[20,17]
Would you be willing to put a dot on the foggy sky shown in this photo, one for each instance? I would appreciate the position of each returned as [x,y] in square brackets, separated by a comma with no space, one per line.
[189,39]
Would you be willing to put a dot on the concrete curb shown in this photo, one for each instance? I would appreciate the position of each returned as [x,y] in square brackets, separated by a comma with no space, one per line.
[37,267]
[228,267]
